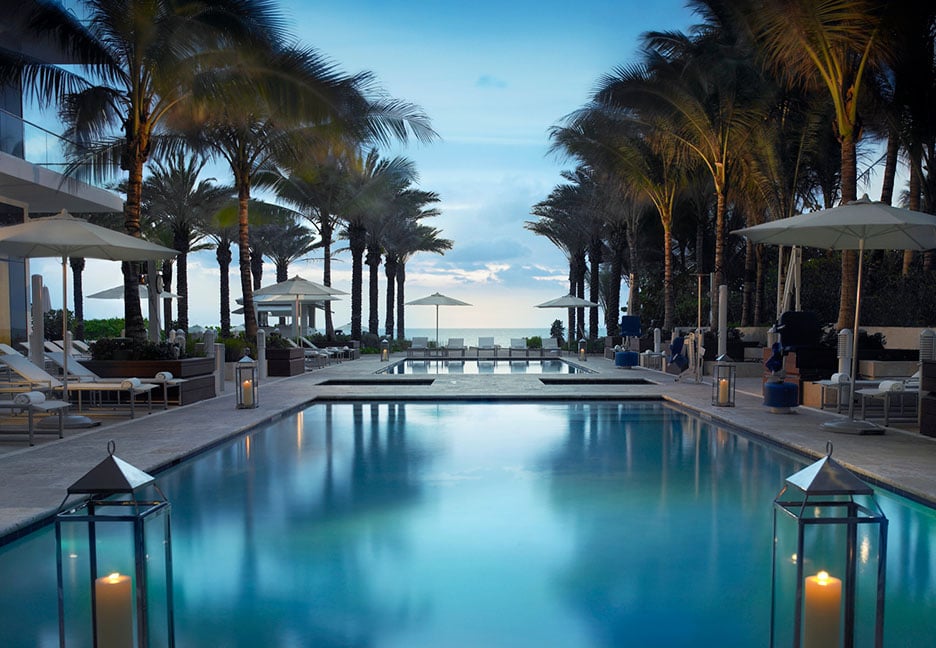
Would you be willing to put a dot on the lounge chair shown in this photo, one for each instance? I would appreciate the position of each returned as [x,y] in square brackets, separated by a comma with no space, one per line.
[38,377]
[32,403]
[419,347]
[518,346]
[550,347]
[455,346]
[902,395]
[81,373]
[486,344]
[336,353]
[313,357]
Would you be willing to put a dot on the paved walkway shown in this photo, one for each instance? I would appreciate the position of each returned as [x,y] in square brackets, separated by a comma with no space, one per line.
[33,480]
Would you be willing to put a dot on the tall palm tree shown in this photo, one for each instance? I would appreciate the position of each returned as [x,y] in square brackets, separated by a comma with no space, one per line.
[422,239]
[175,198]
[139,63]
[222,230]
[834,45]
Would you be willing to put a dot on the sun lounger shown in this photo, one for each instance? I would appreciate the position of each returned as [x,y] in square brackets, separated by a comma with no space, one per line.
[486,347]
[550,347]
[33,403]
[336,353]
[518,346]
[455,346]
[419,347]
[314,358]
[36,376]
[902,396]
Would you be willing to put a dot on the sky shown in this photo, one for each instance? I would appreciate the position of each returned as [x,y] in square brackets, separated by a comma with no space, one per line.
[493,77]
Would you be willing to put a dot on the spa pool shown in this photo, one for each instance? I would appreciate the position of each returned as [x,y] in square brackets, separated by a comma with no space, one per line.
[410,525]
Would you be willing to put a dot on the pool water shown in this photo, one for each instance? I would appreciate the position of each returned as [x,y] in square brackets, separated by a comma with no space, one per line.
[479,524]
[500,366]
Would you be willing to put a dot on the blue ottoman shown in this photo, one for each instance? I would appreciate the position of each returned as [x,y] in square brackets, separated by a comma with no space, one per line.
[780,396]
[626,359]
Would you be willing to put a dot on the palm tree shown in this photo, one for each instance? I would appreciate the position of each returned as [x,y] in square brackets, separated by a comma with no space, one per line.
[830,44]
[422,238]
[133,82]
[222,230]
[175,198]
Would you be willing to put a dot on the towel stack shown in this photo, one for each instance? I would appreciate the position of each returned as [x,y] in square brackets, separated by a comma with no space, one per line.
[891,385]
[164,376]
[840,378]
[29,398]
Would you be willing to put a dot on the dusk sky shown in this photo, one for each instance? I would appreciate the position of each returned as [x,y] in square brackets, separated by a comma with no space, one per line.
[493,78]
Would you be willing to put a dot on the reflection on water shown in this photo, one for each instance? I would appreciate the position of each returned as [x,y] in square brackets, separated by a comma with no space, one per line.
[501,366]
[446,524]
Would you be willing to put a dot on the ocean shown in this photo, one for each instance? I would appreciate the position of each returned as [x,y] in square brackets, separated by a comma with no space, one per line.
[501,336]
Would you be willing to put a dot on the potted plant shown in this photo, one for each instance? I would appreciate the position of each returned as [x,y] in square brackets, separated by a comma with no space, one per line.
[283,359]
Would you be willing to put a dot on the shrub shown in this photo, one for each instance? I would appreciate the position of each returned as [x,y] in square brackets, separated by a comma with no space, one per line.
[535,342]
[127,349]
[234,348]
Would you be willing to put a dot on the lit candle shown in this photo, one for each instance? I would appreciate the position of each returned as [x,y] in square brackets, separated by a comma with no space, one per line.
[722,391]
[113,611]
[247,390]
[822,616]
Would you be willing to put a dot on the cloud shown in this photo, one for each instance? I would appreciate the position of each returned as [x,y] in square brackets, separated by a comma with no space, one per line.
[489,81]
[503,249]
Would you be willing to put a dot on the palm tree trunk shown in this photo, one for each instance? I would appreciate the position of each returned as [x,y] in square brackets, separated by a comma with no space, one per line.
[243,244]
[914,193]
[390,271]
[167,303]
[401,299]
[612,321]
[77,266]
[748,288]
[223,254]
[326,229]
[133,314]
[373,263]
[357,242]
[890,168]
[846,314]
[182,283]
[594,257]
[759,285]
[669,301]
[720,209]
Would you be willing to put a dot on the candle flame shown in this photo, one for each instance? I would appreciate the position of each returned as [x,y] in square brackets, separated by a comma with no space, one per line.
[822,578]
[113,578]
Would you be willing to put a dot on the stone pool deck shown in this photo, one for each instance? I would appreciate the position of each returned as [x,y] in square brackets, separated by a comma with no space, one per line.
[33,480]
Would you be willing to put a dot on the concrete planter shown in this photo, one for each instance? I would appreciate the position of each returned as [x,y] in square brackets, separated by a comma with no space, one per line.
[285,362]
[197,372]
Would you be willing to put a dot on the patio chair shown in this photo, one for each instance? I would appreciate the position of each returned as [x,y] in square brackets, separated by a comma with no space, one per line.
[38,377]
[550,347]
[32,403]
[900,395]
[313,357]
[487,344]
[419,347]
[335,353]
[455,346]
[81,373]
[518,346]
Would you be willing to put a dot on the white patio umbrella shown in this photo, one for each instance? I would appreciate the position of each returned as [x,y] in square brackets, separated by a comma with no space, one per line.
[297,289]
[437,299]
[65,236]
[117,292]
[859,225]
[567,301]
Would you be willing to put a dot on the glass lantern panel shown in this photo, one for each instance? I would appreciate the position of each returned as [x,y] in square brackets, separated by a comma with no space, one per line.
[75,586]
[785,578]
[158,578]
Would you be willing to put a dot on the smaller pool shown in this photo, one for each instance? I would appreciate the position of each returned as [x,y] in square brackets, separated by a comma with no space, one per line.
[416,366]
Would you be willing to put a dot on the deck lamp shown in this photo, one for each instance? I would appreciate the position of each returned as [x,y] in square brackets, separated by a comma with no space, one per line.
[723,382]
[245,380]
[384,350]
[583,350]
[114,560]
[829,559]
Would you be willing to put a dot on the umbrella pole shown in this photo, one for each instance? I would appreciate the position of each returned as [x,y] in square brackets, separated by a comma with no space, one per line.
[850,425]
[437,326]
[65,328]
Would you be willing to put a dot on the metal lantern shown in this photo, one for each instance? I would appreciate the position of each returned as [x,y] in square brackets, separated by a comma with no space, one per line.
[114,560]
[384,350]
[723,383]
[245,380]
[829,559]
[583,350]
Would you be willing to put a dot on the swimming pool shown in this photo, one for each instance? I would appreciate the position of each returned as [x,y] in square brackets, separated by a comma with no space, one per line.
[479,524]
[417,366]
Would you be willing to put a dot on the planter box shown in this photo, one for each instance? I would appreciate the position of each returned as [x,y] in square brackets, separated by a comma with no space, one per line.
[285,362]
[185,368]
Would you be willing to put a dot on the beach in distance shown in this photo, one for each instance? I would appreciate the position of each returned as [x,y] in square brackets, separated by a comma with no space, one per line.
[501,336]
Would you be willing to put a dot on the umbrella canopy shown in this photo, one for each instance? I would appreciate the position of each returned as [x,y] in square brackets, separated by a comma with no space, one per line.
[65,236]
[437,299]
[859,225]
[298,291]
[117,292]
[567,301]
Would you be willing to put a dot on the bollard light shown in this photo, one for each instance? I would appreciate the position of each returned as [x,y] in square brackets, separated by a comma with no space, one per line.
[723,382]
[829,558]
[245,380]
[114,560]
[384,350]
[583,350]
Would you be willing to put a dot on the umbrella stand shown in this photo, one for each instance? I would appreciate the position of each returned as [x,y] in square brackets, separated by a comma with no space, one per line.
[850,425]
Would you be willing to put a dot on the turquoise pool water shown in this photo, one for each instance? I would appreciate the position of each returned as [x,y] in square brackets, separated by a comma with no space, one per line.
[575,525]
[412,366]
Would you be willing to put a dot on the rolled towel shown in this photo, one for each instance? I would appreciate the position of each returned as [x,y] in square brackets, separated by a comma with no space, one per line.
[840,377]
[130,383]
[164,376]
[29,398]
[891,385]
